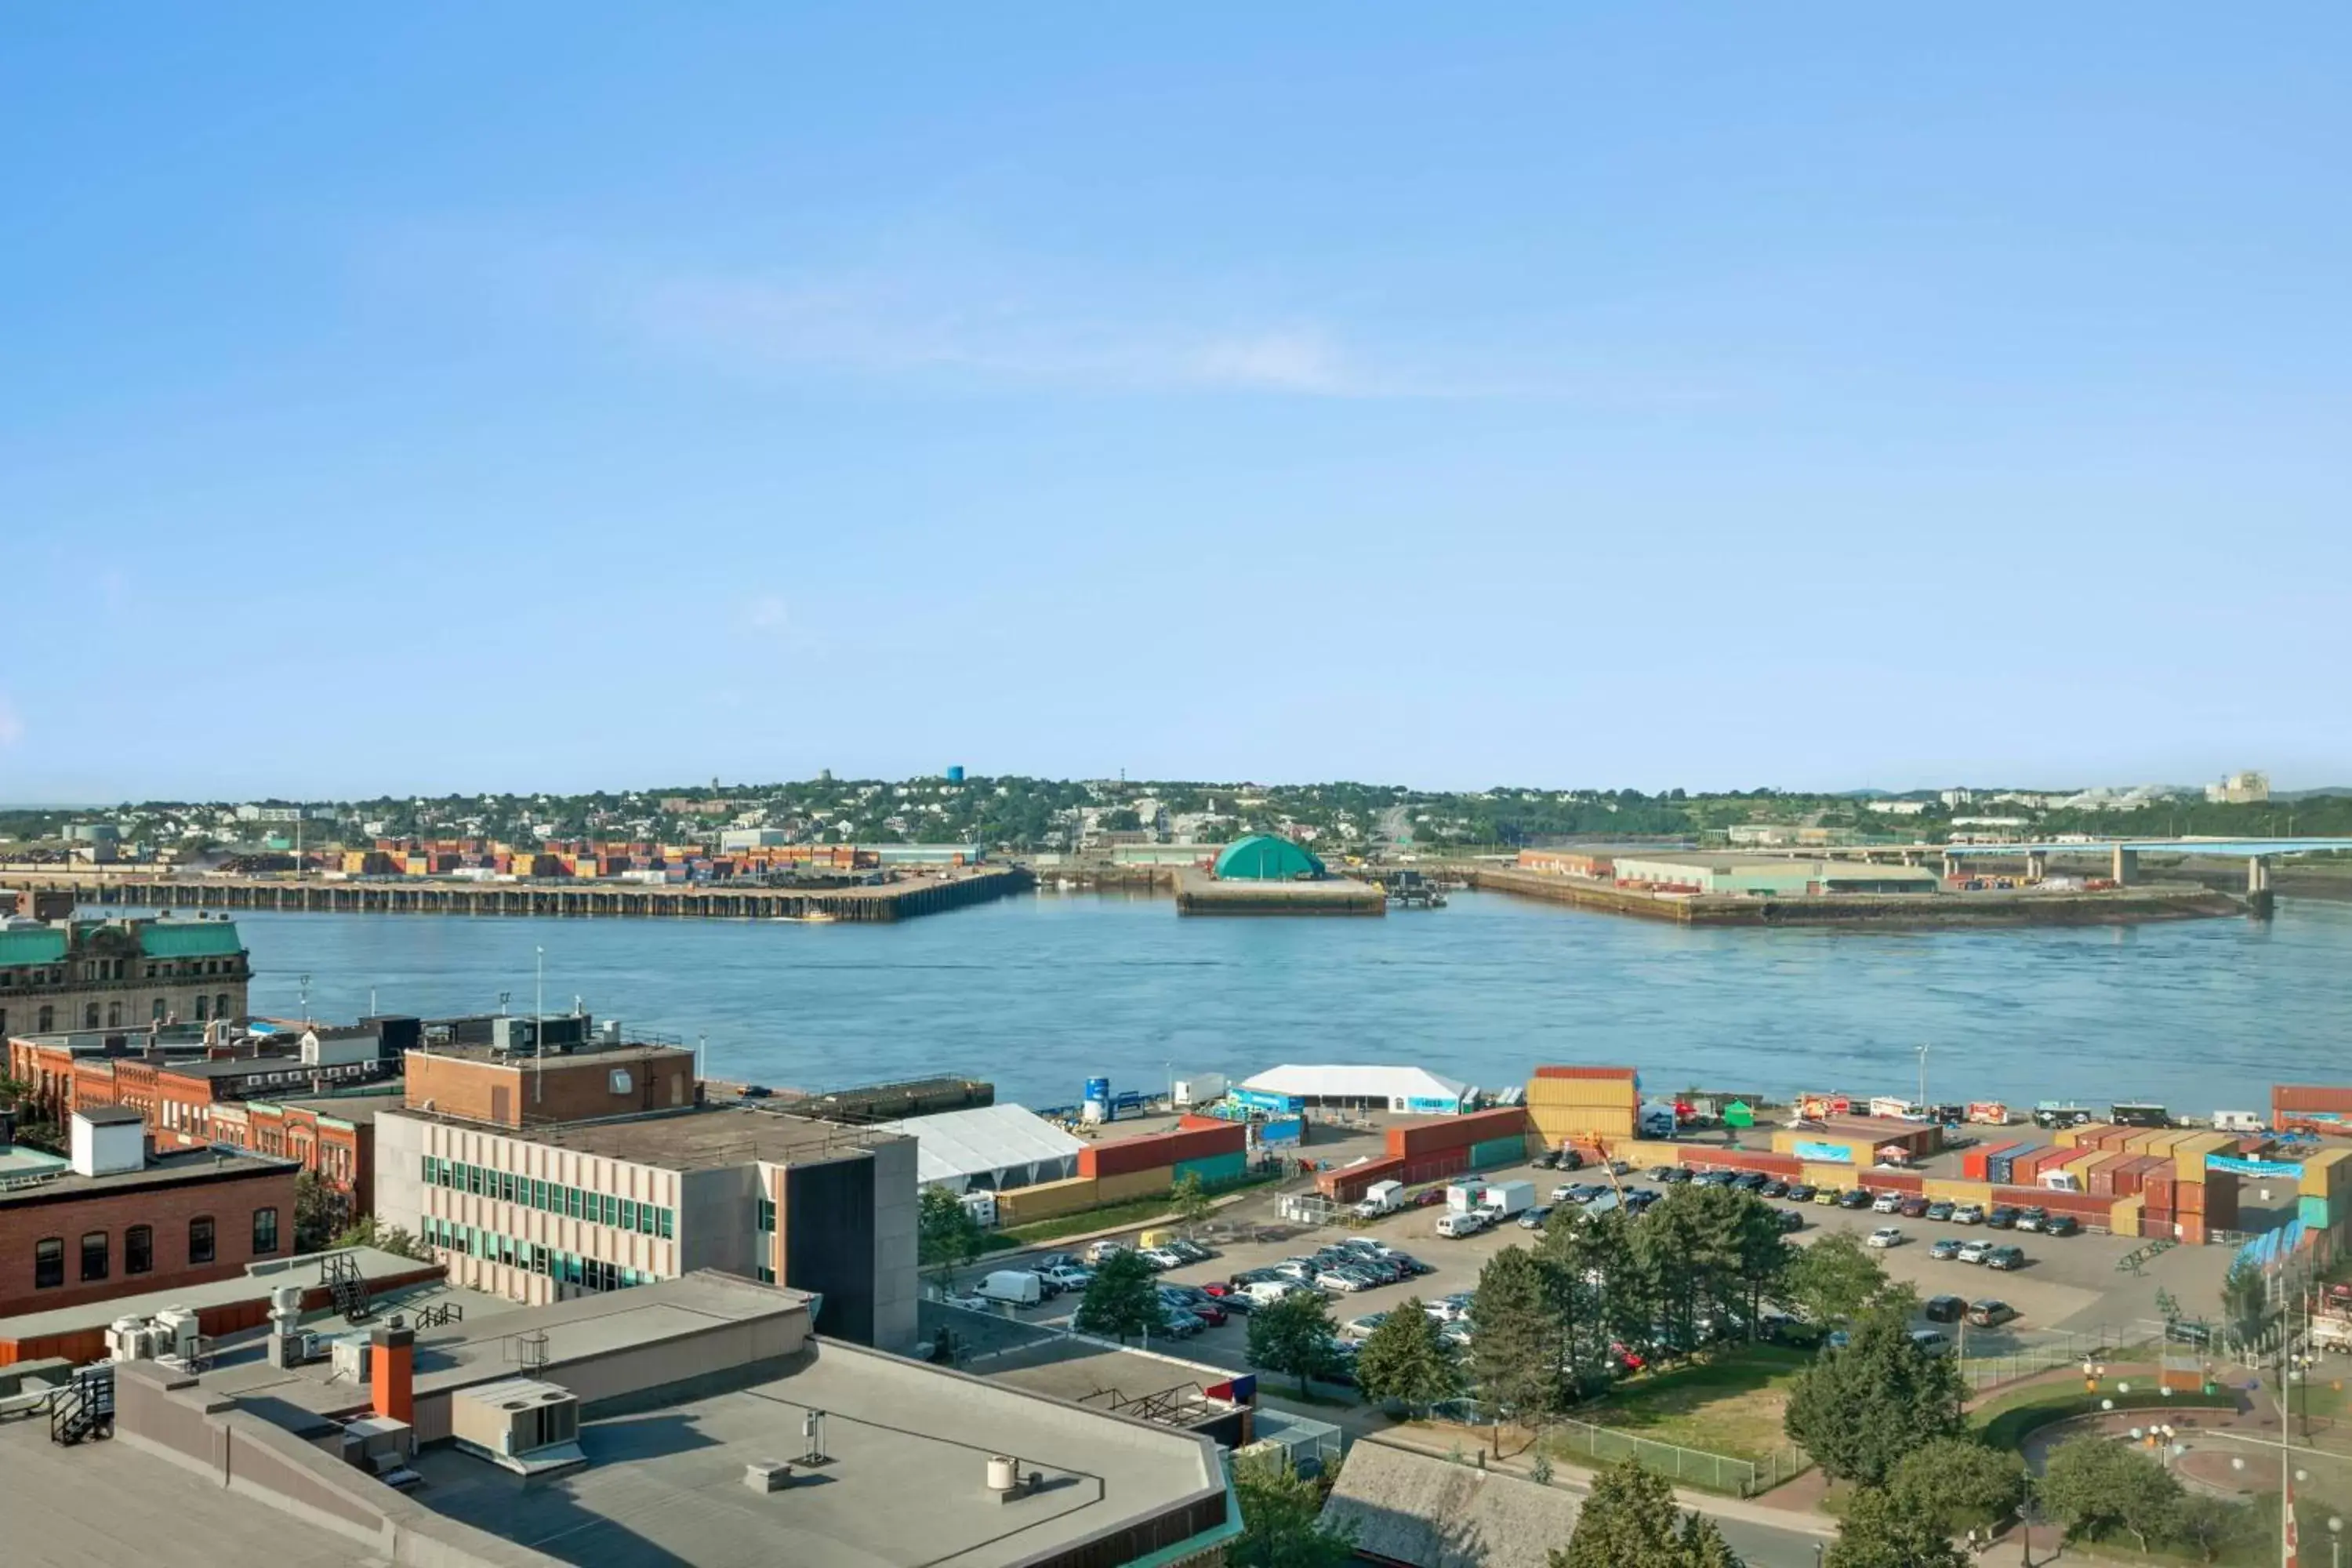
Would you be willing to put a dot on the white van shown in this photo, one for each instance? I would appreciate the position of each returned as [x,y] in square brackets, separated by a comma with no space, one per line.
[1267,1292]
[1457,1223]
[1012,1286]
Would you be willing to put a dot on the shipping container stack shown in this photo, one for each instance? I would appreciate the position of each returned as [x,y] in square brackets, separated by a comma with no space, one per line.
[2324,1198]
[1583,1105]
[1436,1147]
[2324,1109]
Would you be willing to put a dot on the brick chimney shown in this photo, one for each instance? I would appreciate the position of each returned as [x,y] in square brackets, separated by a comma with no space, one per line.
[391,1368]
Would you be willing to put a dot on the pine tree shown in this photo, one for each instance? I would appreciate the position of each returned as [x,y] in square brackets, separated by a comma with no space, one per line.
[1861,1410]
[1880,1531]
[1408,1359]
[1295,1336]
[1515,1351]
[1122,1299]
[1630,1519]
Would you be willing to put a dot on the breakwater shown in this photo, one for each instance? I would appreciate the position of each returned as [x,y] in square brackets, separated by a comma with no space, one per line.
[902,900]
[1965,910]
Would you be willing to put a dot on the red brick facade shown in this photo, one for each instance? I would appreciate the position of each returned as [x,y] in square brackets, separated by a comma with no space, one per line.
[582,1088]
[230,1197]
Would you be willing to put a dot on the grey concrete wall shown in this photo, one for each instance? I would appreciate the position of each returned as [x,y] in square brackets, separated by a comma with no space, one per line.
[894,1244]
[399,1183]
[719,1219]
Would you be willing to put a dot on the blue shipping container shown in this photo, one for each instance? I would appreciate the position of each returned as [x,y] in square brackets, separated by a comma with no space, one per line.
[1214,1169]
[2001,1166]
[1282,1129]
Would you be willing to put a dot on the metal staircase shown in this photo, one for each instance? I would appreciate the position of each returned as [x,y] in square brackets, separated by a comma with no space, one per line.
[84,1407]
[347,1287]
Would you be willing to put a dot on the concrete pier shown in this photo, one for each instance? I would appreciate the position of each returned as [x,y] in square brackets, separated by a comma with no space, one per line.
[918,895]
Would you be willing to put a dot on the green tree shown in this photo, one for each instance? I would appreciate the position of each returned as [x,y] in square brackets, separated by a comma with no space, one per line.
[1294,1336]
[1881,1530]
[2245,1300]
[1282,1524]
[1408,1359]
[1955,1483]
[1859,1410]
[1122,1299]
[1630,1519]
[2095,1485]
[1834,1280]
[947,1237]
[320,1211]
[1515,1351]
[364,1232]
[1188,1201]
[2211,1525]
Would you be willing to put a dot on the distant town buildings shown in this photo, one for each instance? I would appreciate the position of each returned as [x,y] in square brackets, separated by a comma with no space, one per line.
[1899,807]
[2239,789]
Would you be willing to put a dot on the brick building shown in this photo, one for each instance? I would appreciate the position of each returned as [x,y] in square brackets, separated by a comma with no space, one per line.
[120,1219]
[482,1083]
[117,974]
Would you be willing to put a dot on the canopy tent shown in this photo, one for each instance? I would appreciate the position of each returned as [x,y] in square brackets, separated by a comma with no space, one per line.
[991,1148]
[1406,1089]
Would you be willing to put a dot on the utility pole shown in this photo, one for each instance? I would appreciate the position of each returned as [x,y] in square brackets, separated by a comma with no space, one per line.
[538,1023]
[1922,1080]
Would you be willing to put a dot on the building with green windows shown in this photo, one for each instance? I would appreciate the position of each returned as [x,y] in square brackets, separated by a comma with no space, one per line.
[549,1213]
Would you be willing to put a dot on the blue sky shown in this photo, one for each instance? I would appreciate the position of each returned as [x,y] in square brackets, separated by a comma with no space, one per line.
[551,397]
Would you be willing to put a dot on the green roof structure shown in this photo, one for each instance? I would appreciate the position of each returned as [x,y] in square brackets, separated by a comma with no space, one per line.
[190,939]
[1263,858]
[34,944]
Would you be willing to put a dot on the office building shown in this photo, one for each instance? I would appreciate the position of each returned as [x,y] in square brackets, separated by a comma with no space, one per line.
[65,973]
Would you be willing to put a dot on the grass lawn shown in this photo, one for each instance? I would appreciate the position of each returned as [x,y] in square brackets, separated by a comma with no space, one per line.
[1732,1403]
[1135,1211]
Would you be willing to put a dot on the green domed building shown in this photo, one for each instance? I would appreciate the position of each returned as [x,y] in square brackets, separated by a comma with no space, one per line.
[1263,858]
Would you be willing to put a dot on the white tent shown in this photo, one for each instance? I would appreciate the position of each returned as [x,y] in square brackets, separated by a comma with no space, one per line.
[1415,1090]
[988,1148]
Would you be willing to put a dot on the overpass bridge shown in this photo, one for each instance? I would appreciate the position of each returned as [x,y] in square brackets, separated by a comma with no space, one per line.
[2123,855]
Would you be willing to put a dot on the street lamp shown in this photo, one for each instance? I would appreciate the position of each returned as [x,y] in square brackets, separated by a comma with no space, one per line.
[2334,1541]
[1922,1080]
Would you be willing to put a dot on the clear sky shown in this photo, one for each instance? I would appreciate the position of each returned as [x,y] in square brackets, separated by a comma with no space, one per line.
[447,397]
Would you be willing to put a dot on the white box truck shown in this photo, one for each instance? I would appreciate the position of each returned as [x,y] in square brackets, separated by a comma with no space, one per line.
[1011,1287]
[1463,1196]
[1201,1089]
[1504,1199]
[1379,1198]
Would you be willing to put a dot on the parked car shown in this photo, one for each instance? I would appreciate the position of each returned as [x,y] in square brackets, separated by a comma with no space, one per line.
[1799,1193]
[1885,1235]
[1944,1308]
[2005,1257]
[1930,1341]
[1297,1270]
[1831,1195]
[1883,1202]
[2062,1225]
[1341,1281]
[1773,1189]
[1065,1277]
[1163,1257]
[2032,1218]
[1990,1313]
[1676,1175]
[1790,1219]
[1188,1249]
[1660,1173]
[1566,1193]
[1944,1249]
[1411,1265]
[1913,1207]
[2001,1216]
[1967,1214]
[1939,1210]
[1231,1297]
[1749,1180]
[1103,1249]
[1975,1251]
[1362,1328]
[1836,1340]
[1856,1198]
[1533,1219]
[1056,1260]
[1548,1160]
[1210,1312]
[1178,1323]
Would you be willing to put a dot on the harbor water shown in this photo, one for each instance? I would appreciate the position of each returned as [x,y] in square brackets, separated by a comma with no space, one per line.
[1040,994]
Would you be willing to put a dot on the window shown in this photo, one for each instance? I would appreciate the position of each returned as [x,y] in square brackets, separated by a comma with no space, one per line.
[49,1022]
[114,1014]
[220,1006]
[48,1262]
[156,1011]
[89,1015]
[767,1214]
[139,1249]
[665,1224]
[265,1231]
[538,1197]
[200,1239]
[200,1009]
[628,1214]
[95,1245]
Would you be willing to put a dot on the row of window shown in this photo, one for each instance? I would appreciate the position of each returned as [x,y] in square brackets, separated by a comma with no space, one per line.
[588,1273]
[44,1019]
[139,1249]
[103,969]
[548,1197]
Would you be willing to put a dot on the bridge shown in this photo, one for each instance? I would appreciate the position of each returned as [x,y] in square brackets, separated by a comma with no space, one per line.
[2257,853]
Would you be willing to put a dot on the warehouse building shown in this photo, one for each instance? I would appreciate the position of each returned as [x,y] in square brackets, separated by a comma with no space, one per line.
[1415,1090]
[992,1148]
[1767,876]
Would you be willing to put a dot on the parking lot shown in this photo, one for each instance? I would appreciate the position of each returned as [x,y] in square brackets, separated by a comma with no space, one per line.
[2069,1285]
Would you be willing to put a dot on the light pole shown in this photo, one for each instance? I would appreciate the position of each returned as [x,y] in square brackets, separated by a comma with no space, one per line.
[1922,1080]
[2334,1541]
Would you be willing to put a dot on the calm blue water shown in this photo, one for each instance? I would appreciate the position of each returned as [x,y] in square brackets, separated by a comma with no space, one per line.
[1037,994]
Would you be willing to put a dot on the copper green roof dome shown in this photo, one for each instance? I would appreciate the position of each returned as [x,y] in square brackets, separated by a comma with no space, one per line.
[1263,858]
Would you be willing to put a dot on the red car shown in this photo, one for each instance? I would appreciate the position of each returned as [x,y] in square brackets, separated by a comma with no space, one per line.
[1629,1358]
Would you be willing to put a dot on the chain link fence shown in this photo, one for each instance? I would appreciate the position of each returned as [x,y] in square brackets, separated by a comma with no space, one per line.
[1583,1443]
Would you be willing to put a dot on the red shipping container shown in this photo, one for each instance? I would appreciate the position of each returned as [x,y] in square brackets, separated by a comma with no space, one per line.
[1427,1137]
[1421,1169]
[2156,1227]
[1189,1123]
[2188,1198]
[1124,1156]
[2286,1098]
[2101,1179]
[1892,1181]
[1347,1185]
[1584,1072]
[1973,1163]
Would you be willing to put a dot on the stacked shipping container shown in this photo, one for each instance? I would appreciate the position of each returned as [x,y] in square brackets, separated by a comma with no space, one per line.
[2324,1107]
[1584,1104]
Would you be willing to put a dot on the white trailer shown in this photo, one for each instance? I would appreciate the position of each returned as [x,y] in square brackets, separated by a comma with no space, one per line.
[1379,1198]
[1504,1199]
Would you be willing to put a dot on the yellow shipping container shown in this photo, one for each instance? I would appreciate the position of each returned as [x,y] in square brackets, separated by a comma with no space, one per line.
[1558,1122]
[1638,1153]
[2323,1173]
[1581,1091]
[2188,1154]
[1959,1192]
[1828,1175]
[1047,1200]
[2073,1137]
[2123,1218]
[2162,1141]
[1136,1184]
[2081,1165]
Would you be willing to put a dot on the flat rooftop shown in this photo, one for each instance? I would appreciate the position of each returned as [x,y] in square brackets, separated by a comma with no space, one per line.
[1115,1380]
[160,1171]
[112,1502]
[702,1138]
[308,1271]
[586,1051]
[666,1487]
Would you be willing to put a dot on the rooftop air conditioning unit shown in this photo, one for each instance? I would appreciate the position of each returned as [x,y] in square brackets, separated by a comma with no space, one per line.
[515,1417]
